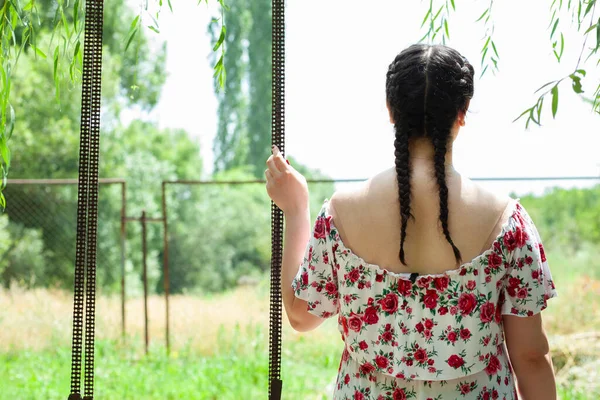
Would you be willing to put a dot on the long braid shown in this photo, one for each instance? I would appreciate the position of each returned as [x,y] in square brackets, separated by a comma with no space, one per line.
[403,177]
[426,88]
[440,141]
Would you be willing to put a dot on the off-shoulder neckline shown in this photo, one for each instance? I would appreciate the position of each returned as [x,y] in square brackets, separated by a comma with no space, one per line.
[514,205]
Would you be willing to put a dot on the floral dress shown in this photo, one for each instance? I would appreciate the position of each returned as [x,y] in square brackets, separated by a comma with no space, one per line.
[430,336]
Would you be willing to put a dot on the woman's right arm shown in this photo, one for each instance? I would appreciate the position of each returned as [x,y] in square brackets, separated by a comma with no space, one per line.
[529,355]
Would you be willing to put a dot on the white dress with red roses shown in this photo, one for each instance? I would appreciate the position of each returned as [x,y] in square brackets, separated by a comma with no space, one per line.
[439,337]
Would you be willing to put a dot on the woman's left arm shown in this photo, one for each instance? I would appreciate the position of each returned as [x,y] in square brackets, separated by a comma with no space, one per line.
[289,191]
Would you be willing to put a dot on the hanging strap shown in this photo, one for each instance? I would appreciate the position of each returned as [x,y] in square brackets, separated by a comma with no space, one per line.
[87,204]
[278,139]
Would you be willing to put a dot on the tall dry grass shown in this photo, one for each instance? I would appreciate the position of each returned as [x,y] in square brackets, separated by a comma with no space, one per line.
[41,319]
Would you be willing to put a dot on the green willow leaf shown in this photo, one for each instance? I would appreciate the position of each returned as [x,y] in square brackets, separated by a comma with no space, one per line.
[425,18]
[554,27]
[576,83]
[39,52]
[554,101]
[482,15]
[495,49]
[10,126]
[75,14]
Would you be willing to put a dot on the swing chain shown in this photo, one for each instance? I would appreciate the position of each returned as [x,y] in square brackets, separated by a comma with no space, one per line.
[87,204]
[278,139]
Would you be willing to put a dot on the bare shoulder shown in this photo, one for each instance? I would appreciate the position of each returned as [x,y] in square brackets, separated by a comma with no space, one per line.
[356,198]
[487,204]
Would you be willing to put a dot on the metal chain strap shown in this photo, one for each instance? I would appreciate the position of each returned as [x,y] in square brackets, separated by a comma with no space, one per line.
[278,139]
[87,203]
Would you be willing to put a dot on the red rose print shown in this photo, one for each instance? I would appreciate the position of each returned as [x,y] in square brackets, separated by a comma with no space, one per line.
[535,274]
[520,237]
[467,303]
[455,361]
[389,303]
[528,260]
[325,258]
[428,323]
[345,355]
[441,283]
[465,388]
[387,336]
[379,278]
[510,242]
[354,275]
[331,289]
[347,379]
[319,231]
[452,336]
[404,287]
[371,316]
[424,282]
[522,293]
[427,334]
[465,334]
[419,327]
[367,368]
[421,356]
[488,279]
[360,285]
[471,285]
[494,260]
[432,370]
[344,322]
[542,253]
[486,395]
[443,310]
[328,224]
[382,362]
[363,345]
[305,278]
[493,365]
[431,361]
[399,394]
[494,393]
[430,299]
[359,396]
[355,323]
[487,312]
[453,310]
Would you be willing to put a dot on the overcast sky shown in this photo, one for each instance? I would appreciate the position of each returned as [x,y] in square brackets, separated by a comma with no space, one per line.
[337,56]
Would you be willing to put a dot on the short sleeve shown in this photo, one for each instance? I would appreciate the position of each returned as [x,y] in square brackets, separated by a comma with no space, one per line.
[528,282]
[316,281]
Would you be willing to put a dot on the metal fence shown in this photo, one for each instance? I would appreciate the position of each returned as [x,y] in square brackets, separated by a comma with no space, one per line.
[207,234]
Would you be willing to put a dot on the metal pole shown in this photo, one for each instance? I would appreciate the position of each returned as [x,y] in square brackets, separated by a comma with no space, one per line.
[166,265]
[123,236]
[145,279]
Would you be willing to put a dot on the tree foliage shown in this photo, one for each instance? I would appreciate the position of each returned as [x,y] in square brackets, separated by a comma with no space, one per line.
[243,135]
[580,12]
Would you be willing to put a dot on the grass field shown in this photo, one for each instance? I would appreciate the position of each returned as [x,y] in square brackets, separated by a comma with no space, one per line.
[220,345]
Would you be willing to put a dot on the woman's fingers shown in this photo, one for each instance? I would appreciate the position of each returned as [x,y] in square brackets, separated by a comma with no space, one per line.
[269,177]
[275,172]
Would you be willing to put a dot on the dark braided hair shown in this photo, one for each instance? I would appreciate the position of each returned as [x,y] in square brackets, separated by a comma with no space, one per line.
[426,87]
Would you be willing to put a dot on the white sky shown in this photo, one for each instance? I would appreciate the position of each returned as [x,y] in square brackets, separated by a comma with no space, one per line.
[337,56]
